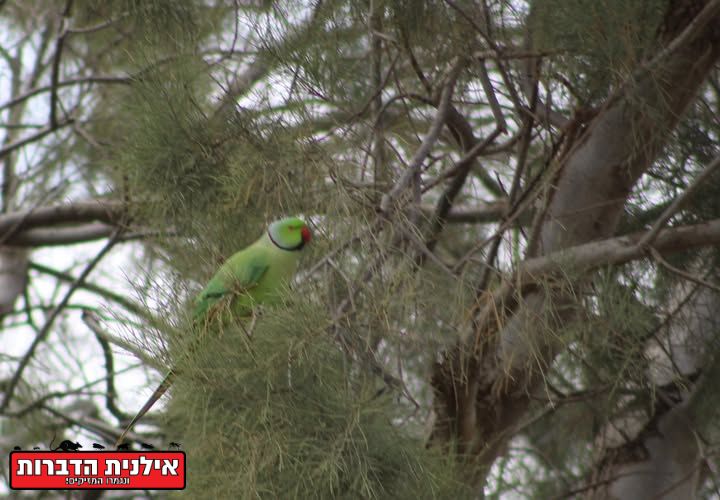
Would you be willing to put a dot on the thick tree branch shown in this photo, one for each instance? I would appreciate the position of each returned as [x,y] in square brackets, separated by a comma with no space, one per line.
[108,212]
[581,259]
[615,251]
[60,236]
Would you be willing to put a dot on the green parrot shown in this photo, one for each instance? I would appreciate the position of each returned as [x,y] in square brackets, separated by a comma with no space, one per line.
[255,275]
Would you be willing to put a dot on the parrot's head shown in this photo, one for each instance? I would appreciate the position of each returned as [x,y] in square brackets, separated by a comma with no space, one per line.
[290,233]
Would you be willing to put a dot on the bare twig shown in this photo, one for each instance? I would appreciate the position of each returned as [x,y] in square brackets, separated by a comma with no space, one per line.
[488,265]
[464,165]
[461,130]
[378,140]
[678,203]
[98,427]
[448,197]
[488,212]
[424,251]
[515,187]
[516,53]
[485,33]
[110,392]
[40,403]
[121,80]
[97,27]
[103,292]
[684,274]
[526,137]
[492,99]
[45,330]
[55,76]
[9,148]
[91,320]
[428,142]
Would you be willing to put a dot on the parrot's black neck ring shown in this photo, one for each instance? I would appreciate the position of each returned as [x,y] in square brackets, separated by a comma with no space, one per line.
[296,248]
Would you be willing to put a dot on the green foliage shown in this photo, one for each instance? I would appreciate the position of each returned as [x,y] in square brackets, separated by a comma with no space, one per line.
[161,24]
[169,149]
[600,377]
[212,176]
[433,30]
[615,337]
[281,415]
[600,41]
[329,54]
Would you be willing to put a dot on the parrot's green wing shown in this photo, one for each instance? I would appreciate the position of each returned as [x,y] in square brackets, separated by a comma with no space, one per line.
[233,278]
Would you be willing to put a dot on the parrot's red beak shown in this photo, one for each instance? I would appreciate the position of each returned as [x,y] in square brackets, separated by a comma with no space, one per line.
[306,234]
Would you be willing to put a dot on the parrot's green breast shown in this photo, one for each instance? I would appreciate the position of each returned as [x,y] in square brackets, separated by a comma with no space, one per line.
[254,275]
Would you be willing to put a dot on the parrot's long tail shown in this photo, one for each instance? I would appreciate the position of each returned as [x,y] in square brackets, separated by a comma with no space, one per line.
[162,389]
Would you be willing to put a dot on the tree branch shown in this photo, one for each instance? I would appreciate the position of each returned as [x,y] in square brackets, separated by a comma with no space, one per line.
[9,148]
[678,203]
[93,323]
[61,235]
[614,251]
[489,212]
[428,142]
[110,392]
[447,199]
[106,211]
[103,292]
[45,330]
[683,274]
[55,75]
[122,80]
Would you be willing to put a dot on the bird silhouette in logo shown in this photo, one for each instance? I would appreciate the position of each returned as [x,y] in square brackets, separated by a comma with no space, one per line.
[36,448]
[17,448]
[98,446]
[175,445]
[123,447]
[68,446]
[146,446]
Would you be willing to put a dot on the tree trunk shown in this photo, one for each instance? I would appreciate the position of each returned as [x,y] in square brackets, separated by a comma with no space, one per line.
[664,459]
[13,277]
[483,388]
